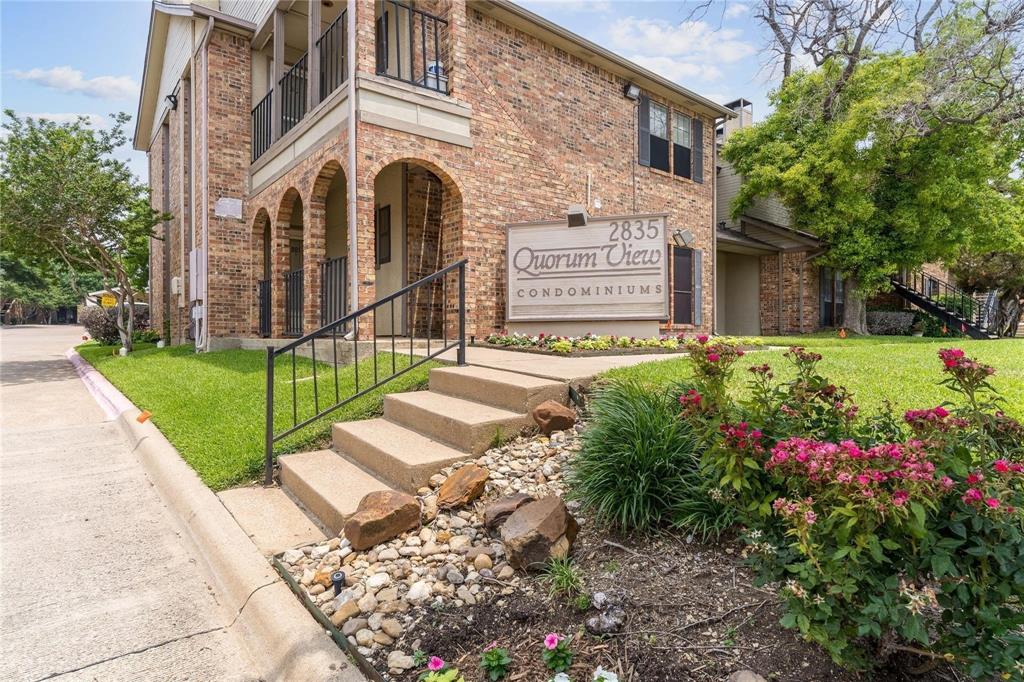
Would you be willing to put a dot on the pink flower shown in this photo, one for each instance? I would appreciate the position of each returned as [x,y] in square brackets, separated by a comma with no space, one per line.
[1001,465]
[713,357]
[702,339]
[972,495]
[974,477]
[492,645]
[900,497]
[435,663]
[551,640]
[946,482]
[992,503]
[810,517]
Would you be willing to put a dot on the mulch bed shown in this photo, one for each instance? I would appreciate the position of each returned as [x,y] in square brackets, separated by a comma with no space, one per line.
[576,353]
[692,614]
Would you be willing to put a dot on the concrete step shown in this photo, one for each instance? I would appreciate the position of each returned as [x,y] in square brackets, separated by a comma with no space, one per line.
[404,457]
[464,424]
[508,390]
[327,484]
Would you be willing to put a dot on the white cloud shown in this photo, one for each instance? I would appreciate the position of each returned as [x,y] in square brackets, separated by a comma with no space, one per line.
[67,79]
[734,10]
[695,40]
[677,70]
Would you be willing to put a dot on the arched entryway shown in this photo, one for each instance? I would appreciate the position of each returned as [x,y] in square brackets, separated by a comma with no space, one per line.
[326,248]
[262,275]
[417,230]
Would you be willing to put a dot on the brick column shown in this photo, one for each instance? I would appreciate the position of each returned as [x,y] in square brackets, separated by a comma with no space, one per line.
[362,232]
[278,269]
[314,250]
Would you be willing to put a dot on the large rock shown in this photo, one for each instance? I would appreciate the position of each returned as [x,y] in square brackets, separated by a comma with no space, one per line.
[551,416]
[745,676]
[380,516]
[463,486]
[499,510]
[537,532]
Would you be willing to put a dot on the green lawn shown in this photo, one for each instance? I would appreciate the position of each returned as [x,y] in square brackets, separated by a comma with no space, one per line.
[902,370]
[212,406]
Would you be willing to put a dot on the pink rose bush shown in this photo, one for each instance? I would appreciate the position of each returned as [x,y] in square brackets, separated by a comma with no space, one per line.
[887,534]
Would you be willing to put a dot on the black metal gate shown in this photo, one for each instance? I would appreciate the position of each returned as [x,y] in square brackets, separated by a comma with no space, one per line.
[263,292]
[293,301]
[334,289]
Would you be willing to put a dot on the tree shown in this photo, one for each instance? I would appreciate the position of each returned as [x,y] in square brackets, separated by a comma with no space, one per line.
[39,289]
[999,271]
[898,147]
[67,198]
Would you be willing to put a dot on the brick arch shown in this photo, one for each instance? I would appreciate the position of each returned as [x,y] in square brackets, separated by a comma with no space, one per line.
[447,239]
[260,262]
[314,239]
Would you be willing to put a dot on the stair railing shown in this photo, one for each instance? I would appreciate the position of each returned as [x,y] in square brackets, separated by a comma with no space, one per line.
[956,302]
[309,403]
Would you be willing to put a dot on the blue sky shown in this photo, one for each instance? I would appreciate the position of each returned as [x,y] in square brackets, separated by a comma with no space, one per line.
[61,59]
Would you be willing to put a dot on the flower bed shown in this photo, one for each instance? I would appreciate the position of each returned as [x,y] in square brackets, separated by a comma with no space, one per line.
[597,344]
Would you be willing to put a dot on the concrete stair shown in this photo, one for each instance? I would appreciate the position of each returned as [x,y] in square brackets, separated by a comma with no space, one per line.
[421,432]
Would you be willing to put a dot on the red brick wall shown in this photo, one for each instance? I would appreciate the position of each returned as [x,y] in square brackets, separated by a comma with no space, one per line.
[794,269]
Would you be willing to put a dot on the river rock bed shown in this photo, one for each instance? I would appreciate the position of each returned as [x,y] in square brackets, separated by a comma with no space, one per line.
[452,562]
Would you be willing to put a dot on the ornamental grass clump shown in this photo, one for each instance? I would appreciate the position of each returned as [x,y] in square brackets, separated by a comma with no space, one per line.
[638,468]
[885,537]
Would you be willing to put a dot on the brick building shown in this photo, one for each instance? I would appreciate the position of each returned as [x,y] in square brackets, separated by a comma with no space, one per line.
[316,156]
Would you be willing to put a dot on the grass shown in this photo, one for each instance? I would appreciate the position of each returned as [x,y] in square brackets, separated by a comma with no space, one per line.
[879,370]
[561,577]
[212,406]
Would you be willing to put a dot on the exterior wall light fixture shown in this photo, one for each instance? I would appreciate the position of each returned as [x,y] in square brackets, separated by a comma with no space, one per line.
[683,238]
[172,99]
[577,215]
[631,91]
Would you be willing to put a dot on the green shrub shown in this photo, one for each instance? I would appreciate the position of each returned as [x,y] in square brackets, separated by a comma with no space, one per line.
[935,327]
[639,465]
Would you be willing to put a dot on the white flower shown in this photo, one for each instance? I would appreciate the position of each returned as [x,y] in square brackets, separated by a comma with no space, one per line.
[561,677]
[602,675]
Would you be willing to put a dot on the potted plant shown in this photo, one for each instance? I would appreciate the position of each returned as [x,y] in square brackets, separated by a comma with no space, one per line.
[917,329]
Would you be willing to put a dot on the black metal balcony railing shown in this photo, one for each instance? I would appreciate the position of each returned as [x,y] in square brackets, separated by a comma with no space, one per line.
[412,46]
[960,310]
[293,303]
[293,94]
[262,126]
[263,290]
[333,48]
[333,289]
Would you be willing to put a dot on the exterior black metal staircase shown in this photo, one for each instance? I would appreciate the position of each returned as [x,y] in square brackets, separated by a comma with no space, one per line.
[955,307]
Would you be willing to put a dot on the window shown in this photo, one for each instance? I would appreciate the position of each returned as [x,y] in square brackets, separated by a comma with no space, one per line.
[682,285]
[382,237]
[682,164]
[653,127]
[832,298]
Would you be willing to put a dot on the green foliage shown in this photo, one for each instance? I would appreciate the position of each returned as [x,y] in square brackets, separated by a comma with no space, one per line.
[101,324]
[561,577]
[496,662]
[883,190]
[43,285]
[445,675]
[639,464]
[885,536]
[68,199]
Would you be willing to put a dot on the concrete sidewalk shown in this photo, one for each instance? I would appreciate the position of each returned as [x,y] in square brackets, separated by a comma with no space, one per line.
[97,580]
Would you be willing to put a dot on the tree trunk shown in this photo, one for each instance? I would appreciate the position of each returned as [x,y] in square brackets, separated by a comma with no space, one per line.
[855,311]
[122,328]
[1008,312]
[131,320]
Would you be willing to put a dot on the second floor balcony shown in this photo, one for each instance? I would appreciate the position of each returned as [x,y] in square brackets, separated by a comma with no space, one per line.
[411,46]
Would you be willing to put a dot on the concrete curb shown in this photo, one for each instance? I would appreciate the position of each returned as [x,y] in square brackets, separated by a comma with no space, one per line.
[283,641]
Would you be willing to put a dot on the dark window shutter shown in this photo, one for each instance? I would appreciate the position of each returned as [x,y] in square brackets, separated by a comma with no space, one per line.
[697,286]
[681,160]
[697,142]
[644,126]
[682,285]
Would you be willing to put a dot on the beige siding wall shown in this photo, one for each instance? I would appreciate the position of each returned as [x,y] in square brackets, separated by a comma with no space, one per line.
[176,57]
[766,209]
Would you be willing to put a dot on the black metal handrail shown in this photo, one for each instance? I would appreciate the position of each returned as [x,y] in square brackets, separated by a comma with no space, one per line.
[351,321]
[293,94]
[263,291]
[262,125]
[293,302]
[333,46]
[969,309]
[420,42]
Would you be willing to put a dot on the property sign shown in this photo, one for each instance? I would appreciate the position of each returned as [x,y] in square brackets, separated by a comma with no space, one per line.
[108,301]
[610,269]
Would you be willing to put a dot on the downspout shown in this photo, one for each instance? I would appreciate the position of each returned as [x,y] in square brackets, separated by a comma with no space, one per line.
[781,289]
[203,337]
[714,226]
[353,263]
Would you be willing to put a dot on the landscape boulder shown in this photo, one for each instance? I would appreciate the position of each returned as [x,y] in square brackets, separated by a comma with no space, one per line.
[381,516]
[502,508]
[552,416]
[537,532]
[462,487]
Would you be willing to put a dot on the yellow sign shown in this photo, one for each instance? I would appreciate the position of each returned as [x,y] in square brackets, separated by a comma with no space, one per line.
[108,301]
